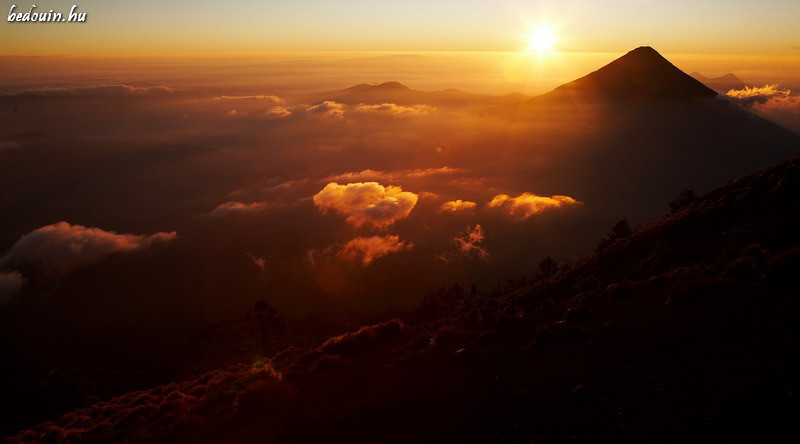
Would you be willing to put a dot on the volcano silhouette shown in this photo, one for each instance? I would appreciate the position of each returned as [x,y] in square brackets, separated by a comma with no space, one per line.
[638,130]
[641,73]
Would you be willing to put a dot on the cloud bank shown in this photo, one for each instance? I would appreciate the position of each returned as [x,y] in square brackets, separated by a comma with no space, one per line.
[96,91]
[61,247]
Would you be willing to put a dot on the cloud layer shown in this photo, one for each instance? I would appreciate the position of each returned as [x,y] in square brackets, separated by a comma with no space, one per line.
[366,203]
[61,247]
[526,204]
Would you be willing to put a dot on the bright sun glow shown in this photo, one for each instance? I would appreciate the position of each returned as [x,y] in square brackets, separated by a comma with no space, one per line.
[542,39]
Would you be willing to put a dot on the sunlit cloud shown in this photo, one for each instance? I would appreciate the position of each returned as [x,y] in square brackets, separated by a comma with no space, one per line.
[259,97]
[394,176]
[467,242]
[526,204]
[235,207]
[328,108]
[367,249]
[276,112]
[394,109]
[366,203]
[61,247]
[458,205]
[10,284]
[750,95]
[770,102]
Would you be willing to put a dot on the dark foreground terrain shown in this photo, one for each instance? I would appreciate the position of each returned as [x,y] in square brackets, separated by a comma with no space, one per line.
[683,330]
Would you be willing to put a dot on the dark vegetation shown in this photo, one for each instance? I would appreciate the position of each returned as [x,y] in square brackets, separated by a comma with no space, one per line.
[680,330]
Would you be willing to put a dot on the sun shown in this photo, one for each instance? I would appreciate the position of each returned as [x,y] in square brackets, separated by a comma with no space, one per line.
[542,39]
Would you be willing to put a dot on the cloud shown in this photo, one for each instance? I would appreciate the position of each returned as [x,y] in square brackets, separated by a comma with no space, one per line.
[367,249]
[526,204]
[751,95]
[366,203]
[277,112]
[467,242]
[771,103]
[96,91]
[61,247]
[235,207]
[10,284]
[394,176]
[399,110]
[259,97]
[459,205]
[259,262]
[328,108]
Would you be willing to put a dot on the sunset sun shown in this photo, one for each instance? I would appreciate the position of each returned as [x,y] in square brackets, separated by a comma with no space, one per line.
[542,39]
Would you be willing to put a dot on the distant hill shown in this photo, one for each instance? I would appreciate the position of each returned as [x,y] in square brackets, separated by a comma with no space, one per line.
[396,92]
[721,84]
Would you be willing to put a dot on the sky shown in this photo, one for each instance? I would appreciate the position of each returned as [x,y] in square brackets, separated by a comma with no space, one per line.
[247,26]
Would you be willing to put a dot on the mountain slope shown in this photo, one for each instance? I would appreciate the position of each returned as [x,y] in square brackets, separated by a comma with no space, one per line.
[684,330]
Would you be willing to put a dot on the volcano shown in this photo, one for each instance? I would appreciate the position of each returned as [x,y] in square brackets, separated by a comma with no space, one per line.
[640,130]
[642,73]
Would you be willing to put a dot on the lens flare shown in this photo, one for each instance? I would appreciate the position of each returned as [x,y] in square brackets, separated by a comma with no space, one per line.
[542,39]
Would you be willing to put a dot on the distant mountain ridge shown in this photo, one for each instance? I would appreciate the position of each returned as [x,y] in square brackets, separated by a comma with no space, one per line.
[397,93]
[721,84]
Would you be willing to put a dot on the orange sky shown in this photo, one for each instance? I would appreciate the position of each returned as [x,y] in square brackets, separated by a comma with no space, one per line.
[122,27]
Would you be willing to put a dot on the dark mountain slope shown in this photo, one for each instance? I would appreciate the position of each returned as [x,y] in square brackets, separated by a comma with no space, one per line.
[684,330]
